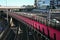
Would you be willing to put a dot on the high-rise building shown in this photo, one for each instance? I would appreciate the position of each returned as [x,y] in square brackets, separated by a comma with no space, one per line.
[52,4]
[42,4]
[57,3]
[35,4]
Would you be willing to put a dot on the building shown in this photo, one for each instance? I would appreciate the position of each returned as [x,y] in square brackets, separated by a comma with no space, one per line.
[42,4]
[35,4]
[57,3]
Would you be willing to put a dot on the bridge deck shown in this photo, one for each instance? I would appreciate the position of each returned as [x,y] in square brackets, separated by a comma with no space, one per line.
[36,24]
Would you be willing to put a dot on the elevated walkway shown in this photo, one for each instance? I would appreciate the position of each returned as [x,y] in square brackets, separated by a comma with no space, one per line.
[47,32]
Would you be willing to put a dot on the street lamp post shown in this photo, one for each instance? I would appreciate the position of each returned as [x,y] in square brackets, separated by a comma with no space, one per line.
[7,15]
[49,16]
[51,7]
[7,11]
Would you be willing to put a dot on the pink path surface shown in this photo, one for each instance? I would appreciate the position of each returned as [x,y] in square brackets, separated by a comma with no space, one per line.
[37,25]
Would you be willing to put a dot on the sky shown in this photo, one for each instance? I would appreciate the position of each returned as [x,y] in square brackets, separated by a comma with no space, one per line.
[16,2]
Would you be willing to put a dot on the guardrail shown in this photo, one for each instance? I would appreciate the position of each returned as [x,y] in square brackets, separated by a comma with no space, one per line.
[55,11]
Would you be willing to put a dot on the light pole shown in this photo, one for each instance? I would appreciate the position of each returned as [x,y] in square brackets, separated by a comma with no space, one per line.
[7,11]
[49,16]
[51,7]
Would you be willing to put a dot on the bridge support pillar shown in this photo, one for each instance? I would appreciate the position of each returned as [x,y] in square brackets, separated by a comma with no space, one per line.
[11,22]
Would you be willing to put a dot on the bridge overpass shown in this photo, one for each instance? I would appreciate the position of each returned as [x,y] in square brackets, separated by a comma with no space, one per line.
[46,32]
[13,8]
